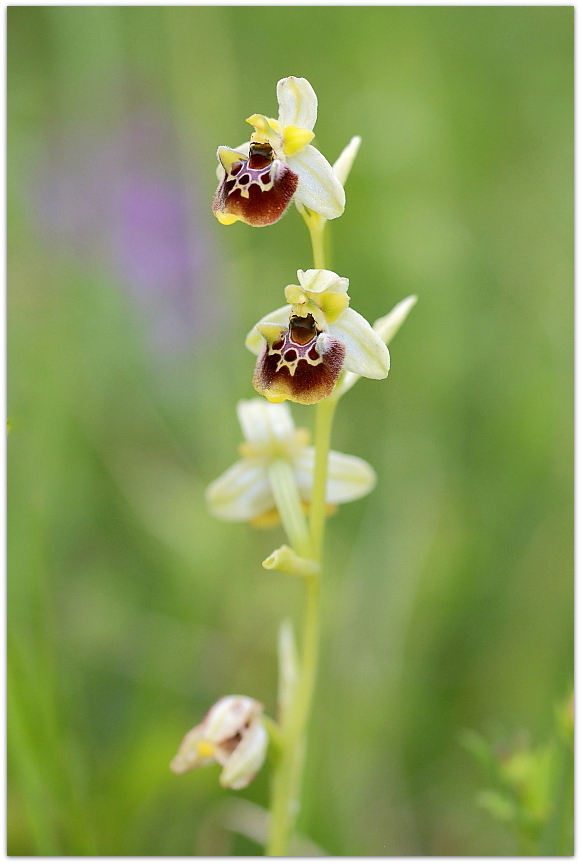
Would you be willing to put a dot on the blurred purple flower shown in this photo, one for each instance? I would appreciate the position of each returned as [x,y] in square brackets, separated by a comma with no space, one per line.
[117,201]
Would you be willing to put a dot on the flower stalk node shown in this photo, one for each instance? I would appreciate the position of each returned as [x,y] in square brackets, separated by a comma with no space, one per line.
[286,560]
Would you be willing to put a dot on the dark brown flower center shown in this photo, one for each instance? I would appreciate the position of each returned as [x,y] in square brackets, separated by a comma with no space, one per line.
[258,189]
[302,330]
[299,365]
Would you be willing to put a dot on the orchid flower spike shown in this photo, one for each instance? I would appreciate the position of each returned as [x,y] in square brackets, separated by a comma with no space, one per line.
[259,179]
[244,494]
[303,347]
[231,734]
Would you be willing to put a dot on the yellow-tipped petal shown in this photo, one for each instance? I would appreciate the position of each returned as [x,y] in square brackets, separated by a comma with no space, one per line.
[294,138]
[297,102]
[206,749]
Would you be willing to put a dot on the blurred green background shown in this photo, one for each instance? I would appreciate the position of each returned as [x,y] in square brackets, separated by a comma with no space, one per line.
[448,603]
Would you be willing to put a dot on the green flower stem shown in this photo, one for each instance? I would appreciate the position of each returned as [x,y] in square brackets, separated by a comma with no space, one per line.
[288,773]
[318,511]
[289,506]
[316,226]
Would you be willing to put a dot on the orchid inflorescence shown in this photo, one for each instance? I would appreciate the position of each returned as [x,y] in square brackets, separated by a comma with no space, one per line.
[311,350]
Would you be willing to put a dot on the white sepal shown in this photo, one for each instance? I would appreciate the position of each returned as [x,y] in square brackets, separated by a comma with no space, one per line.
[386,328]
[366,353]
[228,716]
[342,167]
[297,103]
[261,425]
[318,188]
[242,493]
[348,478]
[247,757]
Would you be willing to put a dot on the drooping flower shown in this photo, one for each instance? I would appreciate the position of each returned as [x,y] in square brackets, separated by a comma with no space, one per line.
[259,179]
[303,347]
[233,735]
[244,494]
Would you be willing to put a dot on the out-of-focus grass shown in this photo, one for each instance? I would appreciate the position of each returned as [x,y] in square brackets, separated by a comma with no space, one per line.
[448,602]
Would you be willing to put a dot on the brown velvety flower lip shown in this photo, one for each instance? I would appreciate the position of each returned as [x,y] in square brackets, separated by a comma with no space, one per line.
[294,367]
[257,190]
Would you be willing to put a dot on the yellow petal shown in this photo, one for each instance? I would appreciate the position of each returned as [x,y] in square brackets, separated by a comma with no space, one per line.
[280,316]
[265,126]
[332,304]
[228,156]
[271,332]
[295,296]
[294,138]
